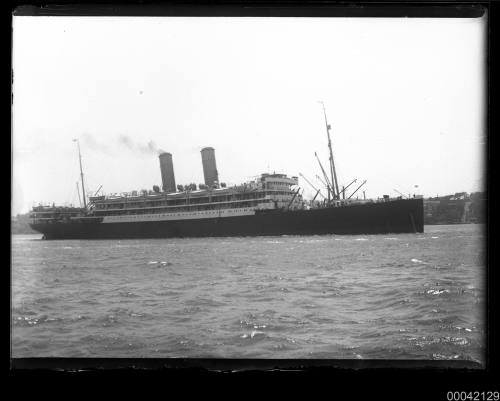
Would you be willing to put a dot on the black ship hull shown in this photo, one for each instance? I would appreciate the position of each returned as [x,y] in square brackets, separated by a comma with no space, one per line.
[398,216]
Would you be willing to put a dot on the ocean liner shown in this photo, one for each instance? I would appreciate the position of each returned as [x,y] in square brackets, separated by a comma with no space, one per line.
[270,204]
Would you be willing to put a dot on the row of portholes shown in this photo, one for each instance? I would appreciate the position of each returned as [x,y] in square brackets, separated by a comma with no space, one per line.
[177,214]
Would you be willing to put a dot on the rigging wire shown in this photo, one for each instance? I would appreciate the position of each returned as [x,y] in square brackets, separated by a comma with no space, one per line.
[70,177]
[404,189]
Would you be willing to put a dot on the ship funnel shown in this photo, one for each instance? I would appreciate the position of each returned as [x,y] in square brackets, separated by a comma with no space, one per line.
[167,172]
[209,167]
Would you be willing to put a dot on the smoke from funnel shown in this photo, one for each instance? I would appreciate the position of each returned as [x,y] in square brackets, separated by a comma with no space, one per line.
[149,148]
[90,142]
[123,140]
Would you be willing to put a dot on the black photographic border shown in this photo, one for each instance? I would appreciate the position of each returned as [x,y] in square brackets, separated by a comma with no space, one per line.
[447,375]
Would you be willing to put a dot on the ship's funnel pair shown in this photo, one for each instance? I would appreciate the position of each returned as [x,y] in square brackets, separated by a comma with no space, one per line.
[209,169]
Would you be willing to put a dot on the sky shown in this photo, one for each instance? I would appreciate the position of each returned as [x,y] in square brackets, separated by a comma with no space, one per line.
[405,98]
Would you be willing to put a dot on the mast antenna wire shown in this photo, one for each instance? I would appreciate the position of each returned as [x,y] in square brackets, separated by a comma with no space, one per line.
[78,192]
[69,194]
[81,172]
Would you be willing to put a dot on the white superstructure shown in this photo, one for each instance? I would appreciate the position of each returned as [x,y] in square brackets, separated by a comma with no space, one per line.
[269,191]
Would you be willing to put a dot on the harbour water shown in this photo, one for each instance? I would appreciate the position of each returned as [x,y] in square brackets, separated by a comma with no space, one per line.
[395,296]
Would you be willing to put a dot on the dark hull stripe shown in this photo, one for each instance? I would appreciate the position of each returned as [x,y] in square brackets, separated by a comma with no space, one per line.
[401,216]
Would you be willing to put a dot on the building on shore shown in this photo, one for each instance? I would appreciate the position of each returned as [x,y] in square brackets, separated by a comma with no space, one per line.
[459,208]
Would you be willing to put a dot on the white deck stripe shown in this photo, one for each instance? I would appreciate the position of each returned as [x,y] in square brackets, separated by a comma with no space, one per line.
[202,214]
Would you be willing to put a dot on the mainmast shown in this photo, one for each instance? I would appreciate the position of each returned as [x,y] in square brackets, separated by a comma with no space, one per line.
[332,163]
[81,172]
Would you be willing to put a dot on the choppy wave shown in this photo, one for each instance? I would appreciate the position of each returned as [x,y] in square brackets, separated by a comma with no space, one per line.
[397,296]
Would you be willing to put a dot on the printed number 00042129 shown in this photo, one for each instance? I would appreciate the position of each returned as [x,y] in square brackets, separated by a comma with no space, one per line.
[473,396]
